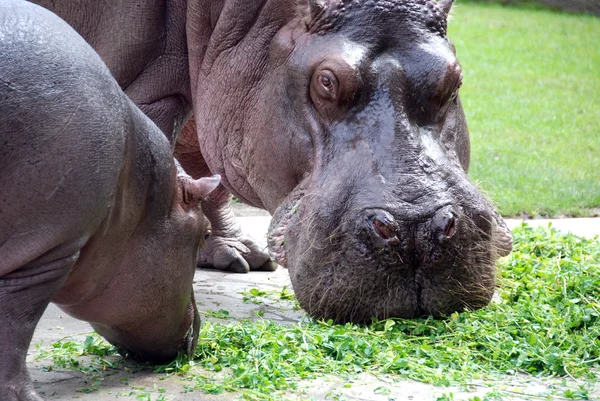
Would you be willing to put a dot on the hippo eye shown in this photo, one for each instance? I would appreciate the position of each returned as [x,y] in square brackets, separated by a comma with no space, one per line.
[326,82]
[333,93]
[326,85]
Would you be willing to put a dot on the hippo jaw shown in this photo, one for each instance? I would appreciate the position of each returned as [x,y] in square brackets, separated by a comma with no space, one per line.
[349,262]
[386,223]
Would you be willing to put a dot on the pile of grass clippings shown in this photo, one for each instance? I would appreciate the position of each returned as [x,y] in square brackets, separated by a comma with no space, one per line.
[545,322]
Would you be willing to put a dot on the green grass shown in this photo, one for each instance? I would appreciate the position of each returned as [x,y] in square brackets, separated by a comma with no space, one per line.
[532,97]
[545,322]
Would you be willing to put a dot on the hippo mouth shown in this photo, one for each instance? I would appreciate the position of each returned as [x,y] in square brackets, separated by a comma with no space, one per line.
[366,269]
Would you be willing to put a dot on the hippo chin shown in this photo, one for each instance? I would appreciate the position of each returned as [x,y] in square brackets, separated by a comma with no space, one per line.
[386,222]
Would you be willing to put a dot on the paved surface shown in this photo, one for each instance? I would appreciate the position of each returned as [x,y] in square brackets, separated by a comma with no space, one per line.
[216,290]
[585,227]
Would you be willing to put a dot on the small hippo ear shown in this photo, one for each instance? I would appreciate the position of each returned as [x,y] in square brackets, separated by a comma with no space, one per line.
[195,190]
[445,6]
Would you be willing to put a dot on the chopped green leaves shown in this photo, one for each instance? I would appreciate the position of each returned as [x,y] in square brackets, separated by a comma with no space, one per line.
[545,322]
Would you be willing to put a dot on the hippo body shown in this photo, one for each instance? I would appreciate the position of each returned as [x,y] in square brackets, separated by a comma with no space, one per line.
[340,117]
[95,214]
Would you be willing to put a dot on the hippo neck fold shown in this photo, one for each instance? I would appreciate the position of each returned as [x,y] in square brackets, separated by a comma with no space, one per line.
[232,36]
[214,27]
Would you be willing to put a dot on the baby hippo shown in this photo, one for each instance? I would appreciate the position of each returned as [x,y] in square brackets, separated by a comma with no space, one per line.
[95,214]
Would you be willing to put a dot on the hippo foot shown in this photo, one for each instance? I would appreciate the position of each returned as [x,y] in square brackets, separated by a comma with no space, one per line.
[18,392]
[237,255]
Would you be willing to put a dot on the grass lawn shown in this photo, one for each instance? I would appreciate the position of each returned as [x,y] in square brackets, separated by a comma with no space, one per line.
[532,98]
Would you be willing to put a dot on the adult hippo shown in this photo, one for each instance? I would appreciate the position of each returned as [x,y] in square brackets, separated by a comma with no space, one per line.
[95,214]
[340,117]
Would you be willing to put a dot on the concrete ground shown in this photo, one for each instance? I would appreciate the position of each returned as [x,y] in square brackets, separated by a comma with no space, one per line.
[216,290]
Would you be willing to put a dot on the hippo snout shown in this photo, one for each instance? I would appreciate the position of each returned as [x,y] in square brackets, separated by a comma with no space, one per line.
[379,228]
[444,223]
[391,262]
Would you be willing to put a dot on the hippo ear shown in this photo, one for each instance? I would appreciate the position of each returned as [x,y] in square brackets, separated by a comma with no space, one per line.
[194,191]
[445,6]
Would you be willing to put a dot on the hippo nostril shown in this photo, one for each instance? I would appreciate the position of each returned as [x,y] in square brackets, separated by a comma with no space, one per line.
[450,227]
[382,229]
[444,222]
[385,226]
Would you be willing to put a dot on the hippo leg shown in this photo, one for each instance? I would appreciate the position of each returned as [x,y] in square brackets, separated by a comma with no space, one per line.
[24,295]
[227,248]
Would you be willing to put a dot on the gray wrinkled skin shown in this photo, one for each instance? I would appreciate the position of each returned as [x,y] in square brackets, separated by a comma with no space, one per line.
[95,214]
[340,117]
[387,223]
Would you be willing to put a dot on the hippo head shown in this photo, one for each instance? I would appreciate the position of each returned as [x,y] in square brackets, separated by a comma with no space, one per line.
[161,259]
[361,151]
